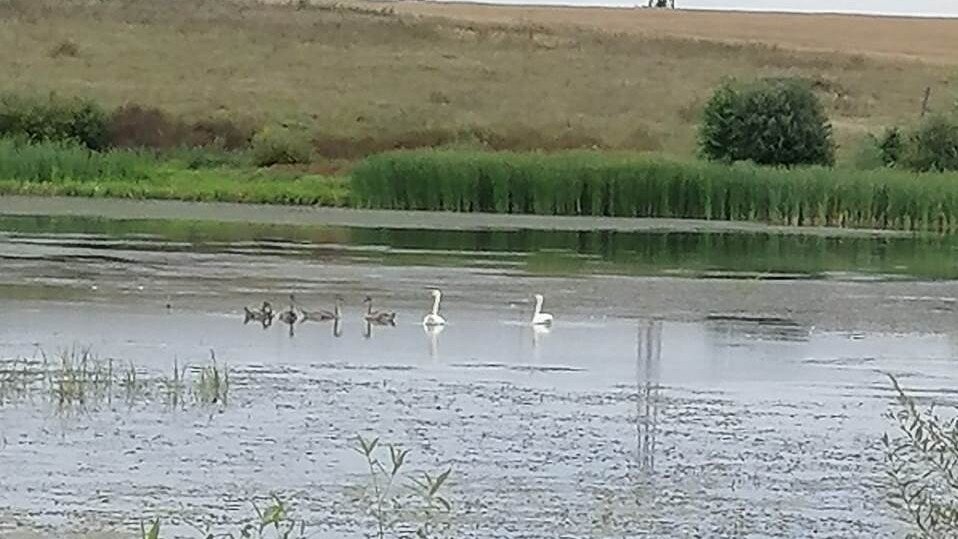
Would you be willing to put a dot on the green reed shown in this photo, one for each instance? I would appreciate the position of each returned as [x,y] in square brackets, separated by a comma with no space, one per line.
[213,384]
[625,185]
[56,162]
[78,379]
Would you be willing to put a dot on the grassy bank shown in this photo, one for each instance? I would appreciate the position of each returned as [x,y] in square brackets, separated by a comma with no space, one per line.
[363,79]
[70,170]
[590,183]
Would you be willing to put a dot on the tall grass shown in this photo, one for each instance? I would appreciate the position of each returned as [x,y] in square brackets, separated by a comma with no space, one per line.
[623,185]
[67,169]
[60,161]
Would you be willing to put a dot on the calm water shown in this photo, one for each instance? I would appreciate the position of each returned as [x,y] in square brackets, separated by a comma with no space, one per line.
[694,384]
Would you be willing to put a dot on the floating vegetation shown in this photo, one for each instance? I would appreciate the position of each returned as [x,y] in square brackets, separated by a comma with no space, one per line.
[76,380]
[417,508]
[622,185]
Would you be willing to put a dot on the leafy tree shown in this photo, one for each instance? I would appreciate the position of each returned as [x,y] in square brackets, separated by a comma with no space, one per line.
[933,146]
[769,122]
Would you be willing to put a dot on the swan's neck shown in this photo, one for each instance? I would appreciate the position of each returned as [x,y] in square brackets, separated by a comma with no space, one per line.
[435,304]
[369,307]
[337,310]
[538,307]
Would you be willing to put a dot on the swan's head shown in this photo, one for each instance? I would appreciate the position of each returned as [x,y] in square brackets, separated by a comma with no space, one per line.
[539,298]
[436,293]
[339,299]
[267,307]
[368,300]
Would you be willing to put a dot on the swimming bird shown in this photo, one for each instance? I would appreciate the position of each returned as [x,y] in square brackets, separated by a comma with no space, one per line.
[540,318]
[263,314]
[289,316]
[379,318]
[433,318]
[323,315]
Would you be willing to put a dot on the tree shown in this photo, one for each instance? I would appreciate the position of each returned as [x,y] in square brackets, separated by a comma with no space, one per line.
[769,122]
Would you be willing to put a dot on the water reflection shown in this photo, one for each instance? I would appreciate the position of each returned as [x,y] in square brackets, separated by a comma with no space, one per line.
[712,253]
[743,327]
[432,333]
[648,360]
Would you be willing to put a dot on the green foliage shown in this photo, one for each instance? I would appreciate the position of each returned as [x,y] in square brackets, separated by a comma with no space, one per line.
[891,145]
[769,122]
[922,469]
[933,146]
[53,118]
[420,510]
[213,385]
[280,146]
[153,532]
[58,162]
[591,183]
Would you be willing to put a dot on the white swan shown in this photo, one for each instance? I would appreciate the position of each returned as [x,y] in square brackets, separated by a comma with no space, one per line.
[540,318]
[433,318]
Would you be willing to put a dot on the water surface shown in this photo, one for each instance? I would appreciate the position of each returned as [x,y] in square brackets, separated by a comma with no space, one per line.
[695,384]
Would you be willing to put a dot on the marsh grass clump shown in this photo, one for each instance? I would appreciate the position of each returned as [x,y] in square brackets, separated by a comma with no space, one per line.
[174,387]
[398,502]
[213,384]
[628,185]
[18,378]
[62,162]
[79,380]
[922,468]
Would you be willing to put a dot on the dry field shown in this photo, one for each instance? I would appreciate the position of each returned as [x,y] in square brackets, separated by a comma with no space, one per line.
[628,78]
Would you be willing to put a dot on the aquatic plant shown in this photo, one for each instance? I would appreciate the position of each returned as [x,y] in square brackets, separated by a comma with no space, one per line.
[175,386]
[213,384]
[153,532]
[272,521]
[420,509]
[17,378]
[922,468]
[79,380]
[624,185]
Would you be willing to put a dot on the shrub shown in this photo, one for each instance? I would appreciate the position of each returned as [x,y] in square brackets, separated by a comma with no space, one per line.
[922,468]
[769,122]
[280,146]
[136,126]
[933,146]
[65,48]
[53,118]
[890,146]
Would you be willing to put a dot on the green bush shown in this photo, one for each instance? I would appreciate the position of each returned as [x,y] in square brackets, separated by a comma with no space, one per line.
[890,146]
[768,122]
[280,146]
[53,118]
[933,146]
[622,185]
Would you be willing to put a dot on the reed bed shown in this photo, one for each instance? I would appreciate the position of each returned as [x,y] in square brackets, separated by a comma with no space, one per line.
[54,162]
[623,185]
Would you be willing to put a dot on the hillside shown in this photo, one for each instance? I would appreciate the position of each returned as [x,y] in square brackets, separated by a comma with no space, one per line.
[366,76]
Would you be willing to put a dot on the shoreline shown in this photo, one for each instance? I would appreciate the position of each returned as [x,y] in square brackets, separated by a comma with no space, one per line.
[126,209]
